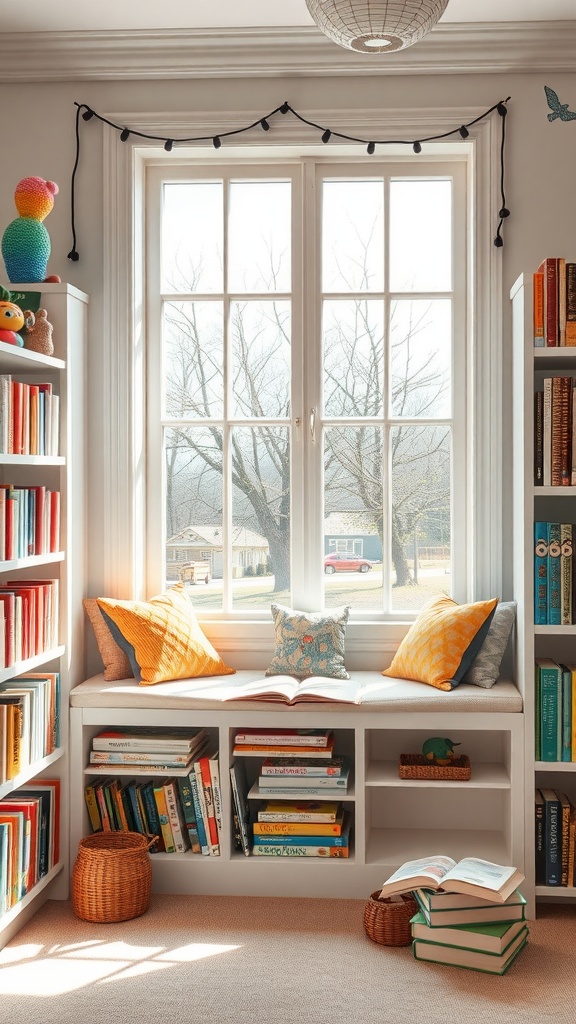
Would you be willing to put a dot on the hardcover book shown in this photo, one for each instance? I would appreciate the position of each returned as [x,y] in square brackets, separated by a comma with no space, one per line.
[304,810]
[540,573]
[285,737]
[553,836]
[295,766]
[550,708]
[490,937]
[554,575]
[471,876]
[439,908]
[455,956]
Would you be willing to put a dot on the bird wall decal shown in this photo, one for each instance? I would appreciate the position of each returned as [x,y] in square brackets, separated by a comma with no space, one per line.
[558,109]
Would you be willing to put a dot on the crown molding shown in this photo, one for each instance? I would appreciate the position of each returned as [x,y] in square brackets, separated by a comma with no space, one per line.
[481,48]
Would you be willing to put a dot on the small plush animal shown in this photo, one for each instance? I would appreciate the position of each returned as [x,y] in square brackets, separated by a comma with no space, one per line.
[439,750]
[39,335]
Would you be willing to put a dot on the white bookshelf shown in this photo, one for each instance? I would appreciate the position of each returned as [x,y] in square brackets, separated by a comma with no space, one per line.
[393,819]
[64,472]
[530,504]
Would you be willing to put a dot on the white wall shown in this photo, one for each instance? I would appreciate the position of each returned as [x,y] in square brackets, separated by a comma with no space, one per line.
[38,138]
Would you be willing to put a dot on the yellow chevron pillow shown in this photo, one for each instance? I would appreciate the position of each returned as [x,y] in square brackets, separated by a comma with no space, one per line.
[442,643]
[162,637]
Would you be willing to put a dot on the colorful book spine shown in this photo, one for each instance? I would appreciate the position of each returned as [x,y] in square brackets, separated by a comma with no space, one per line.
[300,851]
[571,304]
[163,818]
[554,575]
[550,708]
[538,298]
[566,750]
[540,573]
[547,432]
[200,825]
[566,551]
[539,840]
[300,840]
[538,438]
[565,809]
[553,834]
[537,715]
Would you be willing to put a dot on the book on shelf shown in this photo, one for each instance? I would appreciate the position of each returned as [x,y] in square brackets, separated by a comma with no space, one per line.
[474,960]
[17,851]
[305,839]
[566,583]
[539,438]
[316,811]
[135,769]
[540,573]
[554,577]
[553,836]
[446,908]
[570,303]
[257,750]
[547,432]
[565,808]
[471,876]
[302,766]
[29,807]
[204,777]
[300,782]
[538,308]
[152,816]
[164,818]
[199,810]
[176,817]
[214,766]
[301,851]
[489,937]
[326,792]
[566,718]
[303,828]
[549,269]
[149,740]
[550,708]
[139,758]
[560,465]
[539,840]
[188,811]
[239,787]
[285,737]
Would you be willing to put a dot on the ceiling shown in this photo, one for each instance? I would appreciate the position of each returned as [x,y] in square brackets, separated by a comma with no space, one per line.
[121,15]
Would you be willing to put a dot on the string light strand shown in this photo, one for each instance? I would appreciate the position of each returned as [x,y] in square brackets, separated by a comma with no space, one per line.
[87,113]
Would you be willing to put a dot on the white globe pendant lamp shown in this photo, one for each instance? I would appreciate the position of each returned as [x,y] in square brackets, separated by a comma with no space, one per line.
[376,26]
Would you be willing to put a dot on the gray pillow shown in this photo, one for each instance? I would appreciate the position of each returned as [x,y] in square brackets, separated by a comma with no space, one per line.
[485,668]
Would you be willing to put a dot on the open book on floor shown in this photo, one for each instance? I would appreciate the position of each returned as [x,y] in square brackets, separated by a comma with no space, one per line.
[470,875]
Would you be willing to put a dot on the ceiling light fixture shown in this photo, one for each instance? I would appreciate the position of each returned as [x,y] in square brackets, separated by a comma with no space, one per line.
[376,26]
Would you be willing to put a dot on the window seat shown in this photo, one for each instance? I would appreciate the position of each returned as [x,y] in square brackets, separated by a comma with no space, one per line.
[387,695]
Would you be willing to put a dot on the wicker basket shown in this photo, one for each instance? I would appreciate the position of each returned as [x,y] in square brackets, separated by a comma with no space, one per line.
[387,920]
[112,876]
[416,766]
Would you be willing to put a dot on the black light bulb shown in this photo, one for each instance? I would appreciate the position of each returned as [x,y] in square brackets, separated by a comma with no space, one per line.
[370,148]
[88,114]
[498,242]
[464,131]
[124,135]
[501,109]
[504,212]
[168,145]
[216,142]
[327,135]
[284,108]
[417,147]
[264,125]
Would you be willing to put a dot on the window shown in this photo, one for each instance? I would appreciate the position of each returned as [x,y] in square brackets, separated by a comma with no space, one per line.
[307,360]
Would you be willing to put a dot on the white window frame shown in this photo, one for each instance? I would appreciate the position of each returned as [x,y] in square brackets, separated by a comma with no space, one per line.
[123,483]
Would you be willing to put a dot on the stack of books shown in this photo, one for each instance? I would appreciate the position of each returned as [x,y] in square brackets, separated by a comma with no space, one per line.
[310,828]
[554,580]
[181,804]
[471,913]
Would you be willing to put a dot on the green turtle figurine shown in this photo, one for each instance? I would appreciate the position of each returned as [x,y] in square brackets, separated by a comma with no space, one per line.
[439,750]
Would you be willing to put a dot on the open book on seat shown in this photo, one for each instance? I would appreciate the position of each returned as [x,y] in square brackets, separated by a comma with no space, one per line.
[470,875]
[288,690]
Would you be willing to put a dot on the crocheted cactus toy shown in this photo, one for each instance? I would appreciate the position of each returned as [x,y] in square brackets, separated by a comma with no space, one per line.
[26,242]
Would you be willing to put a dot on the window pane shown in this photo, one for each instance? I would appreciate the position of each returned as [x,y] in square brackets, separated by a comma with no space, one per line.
[352,236]
[353,517]
[353,357]
[420,514]
[192,234]
[193,359]
[260,358]
[259,247]
[193,461]
[420,235]
[260,515]
[420,357]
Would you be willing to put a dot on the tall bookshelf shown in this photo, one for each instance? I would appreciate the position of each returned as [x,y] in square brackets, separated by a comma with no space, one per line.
[532,504]
[66,309]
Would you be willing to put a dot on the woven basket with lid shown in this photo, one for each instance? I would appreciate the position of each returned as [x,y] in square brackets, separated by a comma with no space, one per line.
[387,920]
[112,876]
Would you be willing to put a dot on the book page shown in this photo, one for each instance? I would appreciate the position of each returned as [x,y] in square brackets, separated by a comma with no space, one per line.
[321,688]
[481,872]
[274,688]
[435,868]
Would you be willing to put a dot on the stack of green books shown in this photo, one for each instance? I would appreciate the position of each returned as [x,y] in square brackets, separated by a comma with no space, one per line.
[471,913]
[466,931]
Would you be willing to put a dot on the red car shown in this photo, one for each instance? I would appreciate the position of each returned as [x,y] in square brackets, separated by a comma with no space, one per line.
[340,561]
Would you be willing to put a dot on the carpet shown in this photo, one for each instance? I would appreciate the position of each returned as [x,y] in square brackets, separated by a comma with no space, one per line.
[238,960]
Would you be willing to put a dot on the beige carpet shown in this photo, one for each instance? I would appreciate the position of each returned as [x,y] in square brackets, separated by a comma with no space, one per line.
[232,960]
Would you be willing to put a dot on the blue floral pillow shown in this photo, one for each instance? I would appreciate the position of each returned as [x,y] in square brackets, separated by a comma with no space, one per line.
[309,643]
